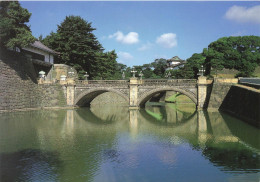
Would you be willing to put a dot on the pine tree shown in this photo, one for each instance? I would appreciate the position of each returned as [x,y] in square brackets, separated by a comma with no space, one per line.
[77,45]
[13,30]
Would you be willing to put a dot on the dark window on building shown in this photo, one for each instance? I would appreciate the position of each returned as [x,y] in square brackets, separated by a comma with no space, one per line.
[35,55]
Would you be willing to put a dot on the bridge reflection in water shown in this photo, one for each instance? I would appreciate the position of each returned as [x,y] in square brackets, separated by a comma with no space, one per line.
[210,133]
[102,143]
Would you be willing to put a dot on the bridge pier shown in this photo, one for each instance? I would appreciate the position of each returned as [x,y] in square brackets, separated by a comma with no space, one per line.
[202,92]
[70,92]
[133,93]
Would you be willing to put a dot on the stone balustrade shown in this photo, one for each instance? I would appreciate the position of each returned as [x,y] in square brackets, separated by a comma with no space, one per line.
[141,82]
[168,81]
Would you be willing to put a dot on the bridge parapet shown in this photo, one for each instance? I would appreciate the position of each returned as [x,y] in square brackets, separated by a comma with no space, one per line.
[251,82]
[137,91]
[169,82]
[102,83]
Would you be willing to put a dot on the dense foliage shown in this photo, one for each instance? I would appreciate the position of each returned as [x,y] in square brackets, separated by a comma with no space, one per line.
[239,53]
[13,29]
[153,70]
[79,47]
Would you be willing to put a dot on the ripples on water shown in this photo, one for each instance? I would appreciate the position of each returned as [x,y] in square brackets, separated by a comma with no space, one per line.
[112,143]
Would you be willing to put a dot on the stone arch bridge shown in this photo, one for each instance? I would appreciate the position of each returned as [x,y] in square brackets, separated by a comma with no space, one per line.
[136,92]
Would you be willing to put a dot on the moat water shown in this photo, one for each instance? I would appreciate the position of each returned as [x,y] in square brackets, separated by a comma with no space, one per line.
[108,143]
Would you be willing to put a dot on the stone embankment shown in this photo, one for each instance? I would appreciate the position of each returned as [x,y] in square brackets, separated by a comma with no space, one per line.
[240,101]
[19,88]
[244,103]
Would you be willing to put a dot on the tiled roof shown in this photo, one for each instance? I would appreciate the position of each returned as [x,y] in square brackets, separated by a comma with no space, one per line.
[175,58]
[39,45]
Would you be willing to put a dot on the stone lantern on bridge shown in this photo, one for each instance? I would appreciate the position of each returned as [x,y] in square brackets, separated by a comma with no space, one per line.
[71,73]
[141,75]
[42,77]
[133,71]
[201,71]
[168,75]
[123,75]
[86,76]
[71,78]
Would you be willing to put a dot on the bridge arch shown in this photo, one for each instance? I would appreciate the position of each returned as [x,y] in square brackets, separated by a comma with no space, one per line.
[146,96]
[84,98]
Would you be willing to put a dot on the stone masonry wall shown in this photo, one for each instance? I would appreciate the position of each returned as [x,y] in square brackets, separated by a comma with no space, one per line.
[244,103]
[109,98]
[19,88]
[238,100]
[218,93]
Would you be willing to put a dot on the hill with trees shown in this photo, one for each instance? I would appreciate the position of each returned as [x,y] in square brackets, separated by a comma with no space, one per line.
[240,53]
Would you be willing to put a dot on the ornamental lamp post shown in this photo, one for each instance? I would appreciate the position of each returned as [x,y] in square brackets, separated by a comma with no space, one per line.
[133,71]
[42,77]
[201,71]
[41,74]
[70,73]
[86,76]
[63,77]
[123,75]
[168,75]
[141,75]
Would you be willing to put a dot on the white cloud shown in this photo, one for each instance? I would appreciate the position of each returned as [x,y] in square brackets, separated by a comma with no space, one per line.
[130,38]
[243,15]
[167,40]
[145,47]
[124,57]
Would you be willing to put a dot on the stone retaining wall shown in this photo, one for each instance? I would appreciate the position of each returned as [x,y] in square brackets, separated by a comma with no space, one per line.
[217,95]
[243,102]
[19,88]
[240,101]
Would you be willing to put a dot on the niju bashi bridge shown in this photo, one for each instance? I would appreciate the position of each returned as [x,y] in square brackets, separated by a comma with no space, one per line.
[135,91]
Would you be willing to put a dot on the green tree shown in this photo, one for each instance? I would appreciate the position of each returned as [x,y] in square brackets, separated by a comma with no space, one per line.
[240,53]
[193,64]
[77,45]
[148,71]
[13,29]
[105,67]
[159,66]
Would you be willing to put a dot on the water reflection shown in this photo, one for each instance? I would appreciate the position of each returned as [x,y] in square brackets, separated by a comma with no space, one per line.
[30,165]
[151,144]
[169,114]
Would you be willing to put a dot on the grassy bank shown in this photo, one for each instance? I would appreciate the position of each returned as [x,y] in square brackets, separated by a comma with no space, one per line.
[178,98]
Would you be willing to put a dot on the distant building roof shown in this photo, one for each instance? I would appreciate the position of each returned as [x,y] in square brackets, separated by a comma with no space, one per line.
[37,44]
[175,59]
[175,63]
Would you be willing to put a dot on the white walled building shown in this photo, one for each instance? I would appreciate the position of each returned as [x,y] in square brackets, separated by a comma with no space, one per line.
[40,53]
[175,63]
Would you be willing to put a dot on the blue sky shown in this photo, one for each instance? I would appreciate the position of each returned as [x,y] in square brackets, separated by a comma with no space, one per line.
[140,32]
